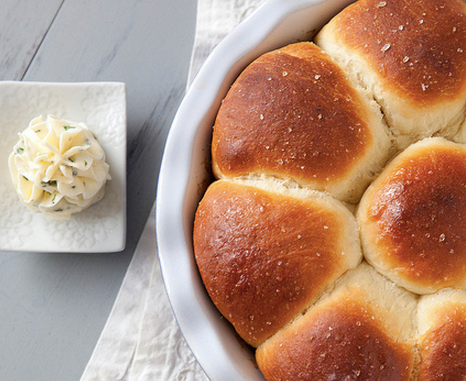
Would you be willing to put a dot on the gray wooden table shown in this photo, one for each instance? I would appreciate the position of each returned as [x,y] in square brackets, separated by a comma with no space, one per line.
[54,306]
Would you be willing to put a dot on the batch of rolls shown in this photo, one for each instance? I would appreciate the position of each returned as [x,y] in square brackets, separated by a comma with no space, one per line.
[334,236]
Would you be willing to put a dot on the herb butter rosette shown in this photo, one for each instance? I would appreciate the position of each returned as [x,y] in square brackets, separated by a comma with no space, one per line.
[58,167]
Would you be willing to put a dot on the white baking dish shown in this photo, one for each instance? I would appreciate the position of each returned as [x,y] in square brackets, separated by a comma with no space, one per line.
[185,173]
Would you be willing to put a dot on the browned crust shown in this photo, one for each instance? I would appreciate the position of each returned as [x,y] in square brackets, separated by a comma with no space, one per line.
[264,257]
[417,48]
[342,341]
[442,348]
[417,217]
[291,114]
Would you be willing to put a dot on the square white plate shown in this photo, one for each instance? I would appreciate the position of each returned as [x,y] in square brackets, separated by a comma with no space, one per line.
[102,107]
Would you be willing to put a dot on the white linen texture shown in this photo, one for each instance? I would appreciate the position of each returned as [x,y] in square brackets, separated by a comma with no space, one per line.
[141,340]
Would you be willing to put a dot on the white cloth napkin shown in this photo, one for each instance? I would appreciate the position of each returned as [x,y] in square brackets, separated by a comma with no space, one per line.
[141,339]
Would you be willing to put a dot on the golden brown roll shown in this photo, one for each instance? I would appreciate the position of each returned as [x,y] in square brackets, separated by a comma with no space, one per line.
[411,54]
[292,114]
[413,217]
[310,123]
[442,341]
[265,252]
[362,330]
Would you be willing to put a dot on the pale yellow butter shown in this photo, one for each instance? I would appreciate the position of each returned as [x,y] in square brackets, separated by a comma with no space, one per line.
[58,167]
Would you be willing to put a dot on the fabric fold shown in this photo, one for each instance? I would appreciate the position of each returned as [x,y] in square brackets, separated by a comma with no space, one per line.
[141,339]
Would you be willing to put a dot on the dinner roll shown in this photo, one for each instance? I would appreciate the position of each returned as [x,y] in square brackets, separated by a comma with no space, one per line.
[293,114]
[362,330]
[442,341]
[266,252]
[413,217]
[411,54]
[330,152]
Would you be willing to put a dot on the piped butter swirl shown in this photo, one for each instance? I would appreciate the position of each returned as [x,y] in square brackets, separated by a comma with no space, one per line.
[58,167]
